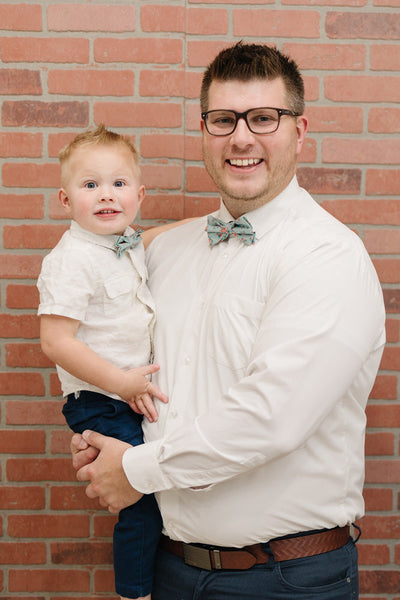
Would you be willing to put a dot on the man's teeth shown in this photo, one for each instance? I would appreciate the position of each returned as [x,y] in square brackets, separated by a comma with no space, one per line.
[245,162]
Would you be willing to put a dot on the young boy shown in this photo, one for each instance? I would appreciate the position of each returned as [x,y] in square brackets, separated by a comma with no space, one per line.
[97,319]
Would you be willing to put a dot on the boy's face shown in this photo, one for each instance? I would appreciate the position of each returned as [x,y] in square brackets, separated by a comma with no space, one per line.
[101,188]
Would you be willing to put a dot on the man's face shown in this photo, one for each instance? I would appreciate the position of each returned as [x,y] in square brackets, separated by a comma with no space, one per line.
[251,169]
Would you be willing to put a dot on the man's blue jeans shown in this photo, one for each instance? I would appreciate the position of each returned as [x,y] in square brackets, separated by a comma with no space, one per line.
[329,576]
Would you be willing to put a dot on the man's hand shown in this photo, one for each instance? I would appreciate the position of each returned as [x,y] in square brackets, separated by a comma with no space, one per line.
[108,481]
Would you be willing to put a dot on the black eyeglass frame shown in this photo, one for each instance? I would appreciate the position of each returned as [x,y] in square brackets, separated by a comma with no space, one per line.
[243,115]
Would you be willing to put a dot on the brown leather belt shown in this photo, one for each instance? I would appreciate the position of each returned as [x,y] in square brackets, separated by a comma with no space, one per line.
[216,557]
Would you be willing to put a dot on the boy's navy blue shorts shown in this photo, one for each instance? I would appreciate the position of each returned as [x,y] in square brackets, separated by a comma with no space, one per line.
[137,532]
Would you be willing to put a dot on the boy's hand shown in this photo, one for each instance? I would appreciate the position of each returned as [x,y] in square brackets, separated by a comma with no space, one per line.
[137,390]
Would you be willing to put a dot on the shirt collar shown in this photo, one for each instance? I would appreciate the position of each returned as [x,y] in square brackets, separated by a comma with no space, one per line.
[266,217]
[107,241]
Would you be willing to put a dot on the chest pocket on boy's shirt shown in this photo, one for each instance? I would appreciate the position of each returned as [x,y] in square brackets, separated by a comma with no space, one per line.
[119,294]
[233,323]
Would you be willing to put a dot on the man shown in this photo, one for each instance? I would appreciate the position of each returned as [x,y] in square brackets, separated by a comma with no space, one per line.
[269,344]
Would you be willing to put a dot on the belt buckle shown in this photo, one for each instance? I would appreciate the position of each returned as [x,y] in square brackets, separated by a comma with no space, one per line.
[196,556]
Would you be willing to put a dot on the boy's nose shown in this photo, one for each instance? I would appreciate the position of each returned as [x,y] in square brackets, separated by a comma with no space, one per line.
[106,193]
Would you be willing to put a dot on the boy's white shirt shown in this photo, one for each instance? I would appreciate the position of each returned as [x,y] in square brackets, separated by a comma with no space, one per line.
[82,279]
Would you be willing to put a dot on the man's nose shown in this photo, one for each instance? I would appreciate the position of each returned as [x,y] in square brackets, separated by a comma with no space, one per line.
[242,134]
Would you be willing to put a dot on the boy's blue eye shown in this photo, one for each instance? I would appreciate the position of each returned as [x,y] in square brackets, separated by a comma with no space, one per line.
[119,183]
[90,185]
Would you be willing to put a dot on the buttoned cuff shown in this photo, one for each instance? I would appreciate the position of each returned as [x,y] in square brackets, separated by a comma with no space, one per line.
[142,468]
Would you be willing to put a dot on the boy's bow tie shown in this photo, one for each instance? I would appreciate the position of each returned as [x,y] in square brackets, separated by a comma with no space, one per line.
[124,242]
[218,231]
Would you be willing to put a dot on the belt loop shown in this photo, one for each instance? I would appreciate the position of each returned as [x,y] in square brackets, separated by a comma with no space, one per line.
[359,532]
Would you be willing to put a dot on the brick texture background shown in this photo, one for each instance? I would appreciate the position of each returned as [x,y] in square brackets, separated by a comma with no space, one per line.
[136,65]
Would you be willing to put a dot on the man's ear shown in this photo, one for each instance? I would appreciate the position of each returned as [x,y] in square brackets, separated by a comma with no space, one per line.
[141,194]
[64,200]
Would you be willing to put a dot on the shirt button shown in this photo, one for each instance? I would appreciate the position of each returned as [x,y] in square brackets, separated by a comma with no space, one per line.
[188,360]
[225,255]
[173,413]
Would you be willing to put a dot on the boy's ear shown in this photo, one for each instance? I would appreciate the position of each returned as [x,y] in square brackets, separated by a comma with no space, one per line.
[141,194]
[64,200]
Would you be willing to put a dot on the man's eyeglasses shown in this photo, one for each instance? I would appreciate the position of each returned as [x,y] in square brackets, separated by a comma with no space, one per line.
[258,120]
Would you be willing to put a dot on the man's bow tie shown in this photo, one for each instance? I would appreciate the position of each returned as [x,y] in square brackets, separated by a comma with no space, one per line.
[124,242]
[218,231]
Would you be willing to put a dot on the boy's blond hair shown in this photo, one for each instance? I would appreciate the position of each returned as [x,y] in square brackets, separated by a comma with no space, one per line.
[92,137]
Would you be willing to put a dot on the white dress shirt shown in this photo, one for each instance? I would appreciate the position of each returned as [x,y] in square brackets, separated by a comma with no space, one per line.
[83,279]
[268,353]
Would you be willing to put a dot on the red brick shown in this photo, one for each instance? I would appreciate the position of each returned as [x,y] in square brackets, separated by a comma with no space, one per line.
[20,498]
[34,413]
[15,326]
[48,50]
[45,114]
[28,206]
[193,147]
[162,177]
[392,300]
[168,83]
[363,25]
[379,444]
[48,526]
[21,144]
[31,175]
[373,554]
[82,82]
[162,145]
[103,525]
[378,499]
[54,580]
[392,330]
[362,88]
[60,441]
[380,527]
[327,56]
[141,114]
[86,17]
[22,442]
[385,387]
[40,469]
[200,53]
[163,206]
[73,497]
[276,23]
[26,355]
[80,553]
[198,180]
[193,85]
[163,18]
[24,553]
[21,17]
[388,270]
[382,471]
[103,580]
[376,212]
[57,141]
[397,554]
[385,57]
[198,206]
[391,358]
[22,296]
[337,119]
[20,267]
[383,182]
[207,21]
[142,50]
[20,81]
[383,415]
[382,241]
[55,386]
[330,181]
[32,236]
[379,581]
[21,384]
[357,151]
[384,120]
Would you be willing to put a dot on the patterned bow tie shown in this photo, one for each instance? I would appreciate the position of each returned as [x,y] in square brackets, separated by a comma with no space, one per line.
[218,231]
[125,242]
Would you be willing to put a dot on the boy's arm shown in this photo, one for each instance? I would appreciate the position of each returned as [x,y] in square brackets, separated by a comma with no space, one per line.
[59,343]
[149,235]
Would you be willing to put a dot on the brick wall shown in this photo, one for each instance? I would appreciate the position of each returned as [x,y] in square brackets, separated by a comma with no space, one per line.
[136,65]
